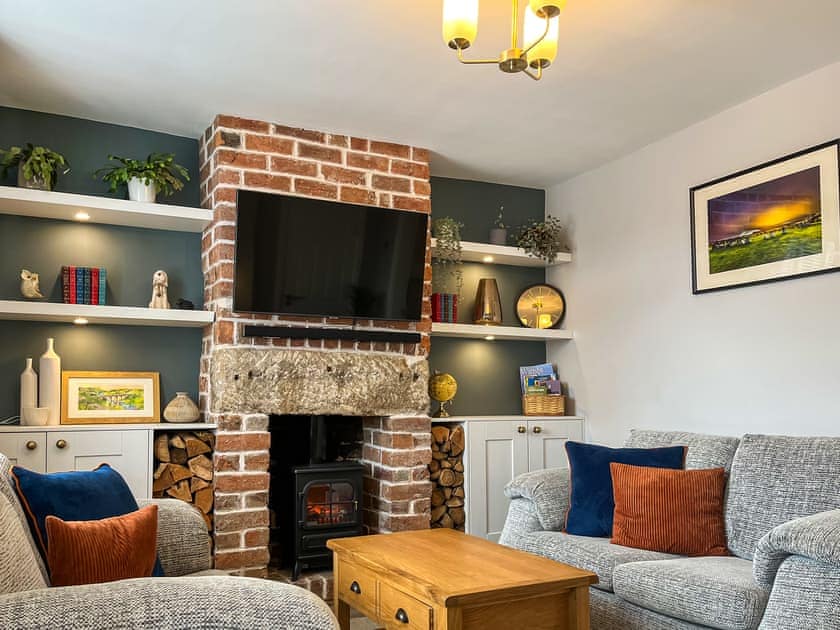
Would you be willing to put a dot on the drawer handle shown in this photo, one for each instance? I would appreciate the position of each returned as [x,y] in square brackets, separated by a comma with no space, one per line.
[61,444]
[537,429]
[32,445]
[521,429]
[354,586]
[401,616]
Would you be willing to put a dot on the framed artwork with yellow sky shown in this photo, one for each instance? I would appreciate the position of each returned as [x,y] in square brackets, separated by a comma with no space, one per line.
[775,221]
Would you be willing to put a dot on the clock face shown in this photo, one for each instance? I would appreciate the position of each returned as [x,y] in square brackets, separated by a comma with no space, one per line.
[540,306]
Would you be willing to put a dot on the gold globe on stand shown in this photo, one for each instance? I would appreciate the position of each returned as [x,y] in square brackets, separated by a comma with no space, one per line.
[442,388]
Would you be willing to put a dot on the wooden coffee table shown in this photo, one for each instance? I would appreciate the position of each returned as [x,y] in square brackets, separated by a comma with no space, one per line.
[440,579]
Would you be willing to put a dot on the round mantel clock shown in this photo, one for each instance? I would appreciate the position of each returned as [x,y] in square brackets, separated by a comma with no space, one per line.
[541,306]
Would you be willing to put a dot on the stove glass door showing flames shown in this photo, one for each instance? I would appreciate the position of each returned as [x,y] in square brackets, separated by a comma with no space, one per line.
[328,506]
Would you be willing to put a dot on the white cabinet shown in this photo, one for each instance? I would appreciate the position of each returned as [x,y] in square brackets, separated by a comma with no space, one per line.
[25,449]
[63,448]
[498,450]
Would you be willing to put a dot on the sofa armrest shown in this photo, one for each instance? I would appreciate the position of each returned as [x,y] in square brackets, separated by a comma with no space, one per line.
[548,490]
[183,541]
[816,537]
[209,603]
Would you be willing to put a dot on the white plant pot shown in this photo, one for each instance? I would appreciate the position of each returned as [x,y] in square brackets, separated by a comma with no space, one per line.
[138,190]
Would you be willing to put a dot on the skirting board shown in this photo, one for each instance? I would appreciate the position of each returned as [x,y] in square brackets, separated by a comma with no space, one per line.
[282,332]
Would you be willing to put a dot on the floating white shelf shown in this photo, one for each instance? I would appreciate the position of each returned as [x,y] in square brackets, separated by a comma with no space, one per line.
[117,315]
[473,331]
[157,426]
[502,255]
[502,418]
[58,205]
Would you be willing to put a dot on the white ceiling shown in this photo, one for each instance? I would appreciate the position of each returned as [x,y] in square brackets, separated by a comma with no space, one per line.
[629,71]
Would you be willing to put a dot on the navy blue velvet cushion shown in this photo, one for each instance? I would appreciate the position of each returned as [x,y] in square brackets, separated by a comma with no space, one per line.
[72,496]
[591,504]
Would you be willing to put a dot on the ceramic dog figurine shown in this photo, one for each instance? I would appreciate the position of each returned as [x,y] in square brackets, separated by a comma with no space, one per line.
[160,285]
[30,284]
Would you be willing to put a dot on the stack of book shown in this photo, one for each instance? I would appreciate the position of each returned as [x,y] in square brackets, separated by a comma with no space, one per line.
[539,379]
[445,307]
[83,285]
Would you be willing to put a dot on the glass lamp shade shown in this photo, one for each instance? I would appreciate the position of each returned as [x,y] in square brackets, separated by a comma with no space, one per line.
[546,51]
[460,22]
[545,7]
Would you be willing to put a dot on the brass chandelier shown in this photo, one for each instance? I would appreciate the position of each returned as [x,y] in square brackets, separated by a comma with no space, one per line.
[460,25]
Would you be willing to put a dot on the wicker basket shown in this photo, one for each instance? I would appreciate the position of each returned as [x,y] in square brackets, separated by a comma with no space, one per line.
[543,404]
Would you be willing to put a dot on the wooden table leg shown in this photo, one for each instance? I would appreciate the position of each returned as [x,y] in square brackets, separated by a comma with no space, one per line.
[342,611]
[579,609]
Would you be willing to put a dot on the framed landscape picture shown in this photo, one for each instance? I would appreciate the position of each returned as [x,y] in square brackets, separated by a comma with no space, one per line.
[775,221]
[110,397]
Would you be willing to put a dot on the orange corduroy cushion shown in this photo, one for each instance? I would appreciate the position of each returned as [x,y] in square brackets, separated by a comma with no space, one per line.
[672,511]
[90,552]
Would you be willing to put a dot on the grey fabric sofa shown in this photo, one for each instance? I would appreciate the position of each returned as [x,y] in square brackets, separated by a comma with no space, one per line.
[782,525]
[191,596]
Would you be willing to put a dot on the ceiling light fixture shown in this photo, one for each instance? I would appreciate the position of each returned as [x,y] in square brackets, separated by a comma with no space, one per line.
[460,27]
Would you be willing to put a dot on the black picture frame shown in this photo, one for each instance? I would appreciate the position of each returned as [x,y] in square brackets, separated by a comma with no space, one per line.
[829,188]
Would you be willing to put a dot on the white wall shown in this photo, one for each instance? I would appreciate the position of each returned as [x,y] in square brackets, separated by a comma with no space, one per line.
[647,352]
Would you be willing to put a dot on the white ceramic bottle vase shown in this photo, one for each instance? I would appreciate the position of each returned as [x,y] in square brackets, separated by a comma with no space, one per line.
[28,387]
[49,389]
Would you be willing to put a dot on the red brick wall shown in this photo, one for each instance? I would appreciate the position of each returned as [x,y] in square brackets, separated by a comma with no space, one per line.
[237,153]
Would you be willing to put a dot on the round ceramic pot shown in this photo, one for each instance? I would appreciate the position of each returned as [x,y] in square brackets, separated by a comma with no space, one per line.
[498,236]
[36,183]
[138,190]
[181,409]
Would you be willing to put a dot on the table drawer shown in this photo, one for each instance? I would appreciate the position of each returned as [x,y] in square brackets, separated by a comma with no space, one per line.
[399,611]
[357,587]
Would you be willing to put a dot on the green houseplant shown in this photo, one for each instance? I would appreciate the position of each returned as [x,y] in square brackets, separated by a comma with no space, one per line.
[158,173]
[38,167]
[542,239]
[447,232]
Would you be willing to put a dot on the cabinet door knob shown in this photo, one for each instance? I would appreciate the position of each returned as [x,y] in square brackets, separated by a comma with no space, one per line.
[61,444]
[521,429]
[32,445]
[537,429]
[401,616]
[356,588]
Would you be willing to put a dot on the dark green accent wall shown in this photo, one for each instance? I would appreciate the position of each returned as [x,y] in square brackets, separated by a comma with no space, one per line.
[130,255]
[487,372]
[87,144]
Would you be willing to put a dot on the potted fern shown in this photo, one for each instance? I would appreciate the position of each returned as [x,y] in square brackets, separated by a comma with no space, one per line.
[37,167]
[158,173]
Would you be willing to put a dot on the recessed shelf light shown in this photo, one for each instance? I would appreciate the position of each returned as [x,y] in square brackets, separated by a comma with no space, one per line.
[80,321]
[81,215]
[489,338]
[487,259]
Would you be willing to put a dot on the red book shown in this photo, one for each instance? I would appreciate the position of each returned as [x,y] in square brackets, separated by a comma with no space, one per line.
[94,285]
[72,274]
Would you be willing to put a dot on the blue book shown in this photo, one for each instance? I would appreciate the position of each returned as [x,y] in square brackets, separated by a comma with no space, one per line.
[88,283]
[80,285]
[101,285]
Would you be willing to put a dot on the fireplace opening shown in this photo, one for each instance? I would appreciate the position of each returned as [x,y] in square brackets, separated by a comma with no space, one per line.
[315,491]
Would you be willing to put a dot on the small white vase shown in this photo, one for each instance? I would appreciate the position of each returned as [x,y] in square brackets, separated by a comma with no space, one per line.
[138,190]
[28,387]
[181,409]
[49,387]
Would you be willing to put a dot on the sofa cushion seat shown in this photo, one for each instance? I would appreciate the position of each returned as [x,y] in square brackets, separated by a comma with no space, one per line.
[592,554]
[711,591]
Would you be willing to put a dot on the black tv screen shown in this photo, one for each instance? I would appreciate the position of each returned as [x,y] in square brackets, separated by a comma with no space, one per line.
[304,256]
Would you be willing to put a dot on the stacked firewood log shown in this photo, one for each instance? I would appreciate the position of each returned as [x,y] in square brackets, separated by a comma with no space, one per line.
[184,469]
[447,472]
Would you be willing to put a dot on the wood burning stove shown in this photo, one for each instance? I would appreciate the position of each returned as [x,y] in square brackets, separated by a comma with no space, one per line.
[329,505]
[316,488]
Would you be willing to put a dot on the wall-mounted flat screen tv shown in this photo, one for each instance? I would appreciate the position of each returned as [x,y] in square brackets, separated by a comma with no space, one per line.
[303,256]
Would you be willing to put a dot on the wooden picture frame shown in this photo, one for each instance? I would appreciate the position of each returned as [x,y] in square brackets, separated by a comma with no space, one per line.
[110,397]
[775,221]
